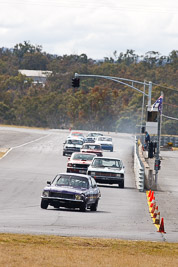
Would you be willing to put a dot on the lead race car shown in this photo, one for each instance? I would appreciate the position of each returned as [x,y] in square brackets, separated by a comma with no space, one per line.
[107,171]
[78,135]
[71,191]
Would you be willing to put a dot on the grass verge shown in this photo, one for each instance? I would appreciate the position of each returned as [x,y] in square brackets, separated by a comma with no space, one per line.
[24,127]
[3,151]
[29,250]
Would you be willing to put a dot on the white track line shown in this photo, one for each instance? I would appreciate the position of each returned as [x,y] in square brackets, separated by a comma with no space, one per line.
[14,147]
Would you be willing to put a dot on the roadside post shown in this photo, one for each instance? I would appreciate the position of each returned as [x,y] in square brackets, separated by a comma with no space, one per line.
[159,104]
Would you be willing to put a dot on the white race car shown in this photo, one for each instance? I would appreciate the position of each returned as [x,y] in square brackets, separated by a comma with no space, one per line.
[72,145]
[107,170]
[105,142]
[91,137]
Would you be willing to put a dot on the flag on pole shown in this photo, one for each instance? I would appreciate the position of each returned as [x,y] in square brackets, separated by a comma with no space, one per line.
[158,104]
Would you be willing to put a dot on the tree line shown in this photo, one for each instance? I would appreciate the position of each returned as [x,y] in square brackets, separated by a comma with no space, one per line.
[98,104]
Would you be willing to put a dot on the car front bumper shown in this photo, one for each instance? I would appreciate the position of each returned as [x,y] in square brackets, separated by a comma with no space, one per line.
[107,178]
[107,147]
[71,150]
[76,170]
[62,202]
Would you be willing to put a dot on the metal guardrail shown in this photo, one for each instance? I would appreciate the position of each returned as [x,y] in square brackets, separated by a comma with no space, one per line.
[138,169]
[165,139]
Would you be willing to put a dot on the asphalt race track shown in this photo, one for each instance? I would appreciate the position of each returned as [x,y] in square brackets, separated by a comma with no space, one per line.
[35,157]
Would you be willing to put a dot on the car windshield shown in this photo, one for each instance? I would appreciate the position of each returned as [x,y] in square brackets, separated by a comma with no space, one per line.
[110,163]
[83,156]
[94,147]
[72,181]
[77,134]
[95,134]
[102,138]
[75,142]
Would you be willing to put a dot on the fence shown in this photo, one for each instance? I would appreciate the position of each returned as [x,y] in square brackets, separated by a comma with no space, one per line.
[164,140]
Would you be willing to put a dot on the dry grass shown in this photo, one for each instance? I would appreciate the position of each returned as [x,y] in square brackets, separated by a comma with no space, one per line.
[32,251]
[3,151]
[24,127]
[1,154]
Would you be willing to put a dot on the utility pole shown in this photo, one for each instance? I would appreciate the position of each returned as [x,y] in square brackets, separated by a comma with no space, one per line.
[149,95]
[157,156]
[143,103]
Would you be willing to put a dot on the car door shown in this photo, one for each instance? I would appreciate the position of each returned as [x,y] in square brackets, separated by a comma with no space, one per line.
[91,193]
[94,189]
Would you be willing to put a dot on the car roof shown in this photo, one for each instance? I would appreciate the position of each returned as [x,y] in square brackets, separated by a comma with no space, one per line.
[91,144]
[82,153]
[75,174]
[105,136]
[74,138]
[76,133]
[108,158]
[95,132]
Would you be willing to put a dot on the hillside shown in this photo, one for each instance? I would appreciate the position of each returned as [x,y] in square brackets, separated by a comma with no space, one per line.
[98,104]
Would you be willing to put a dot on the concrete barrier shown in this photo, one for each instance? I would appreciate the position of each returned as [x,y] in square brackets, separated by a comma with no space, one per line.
[143,168]
[138,169]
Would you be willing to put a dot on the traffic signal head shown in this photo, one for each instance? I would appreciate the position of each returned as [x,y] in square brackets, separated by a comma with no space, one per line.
[75,82]
[157,164]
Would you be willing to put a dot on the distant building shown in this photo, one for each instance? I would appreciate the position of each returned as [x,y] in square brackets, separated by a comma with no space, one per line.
[38,76]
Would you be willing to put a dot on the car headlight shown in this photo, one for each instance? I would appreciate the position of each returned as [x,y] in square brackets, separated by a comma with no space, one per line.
[45,193]
[118,175]
[78,197]
[69,164]
[92,173]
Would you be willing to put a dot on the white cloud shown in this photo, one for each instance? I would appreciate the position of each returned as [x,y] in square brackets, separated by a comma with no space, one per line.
[95,28]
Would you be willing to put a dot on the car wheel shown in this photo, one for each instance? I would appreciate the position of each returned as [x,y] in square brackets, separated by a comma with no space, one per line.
[83,207]
[121,184]
[68,170]
[94,206]
[111,150]
[64,153]
[44,204]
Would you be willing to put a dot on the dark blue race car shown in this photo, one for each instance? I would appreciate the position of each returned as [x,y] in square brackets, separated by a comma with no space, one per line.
[71,191]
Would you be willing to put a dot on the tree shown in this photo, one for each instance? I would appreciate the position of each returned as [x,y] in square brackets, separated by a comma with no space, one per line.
[21,49]
[34,61]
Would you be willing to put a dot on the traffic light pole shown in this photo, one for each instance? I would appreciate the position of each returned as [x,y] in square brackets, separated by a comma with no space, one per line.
[123,81]
[120,80]
[157,156]
[143,103]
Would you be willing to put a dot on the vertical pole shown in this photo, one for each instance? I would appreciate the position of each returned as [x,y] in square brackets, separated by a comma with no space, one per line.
[159,116]
[149,95]
[157,150]
[143,103]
